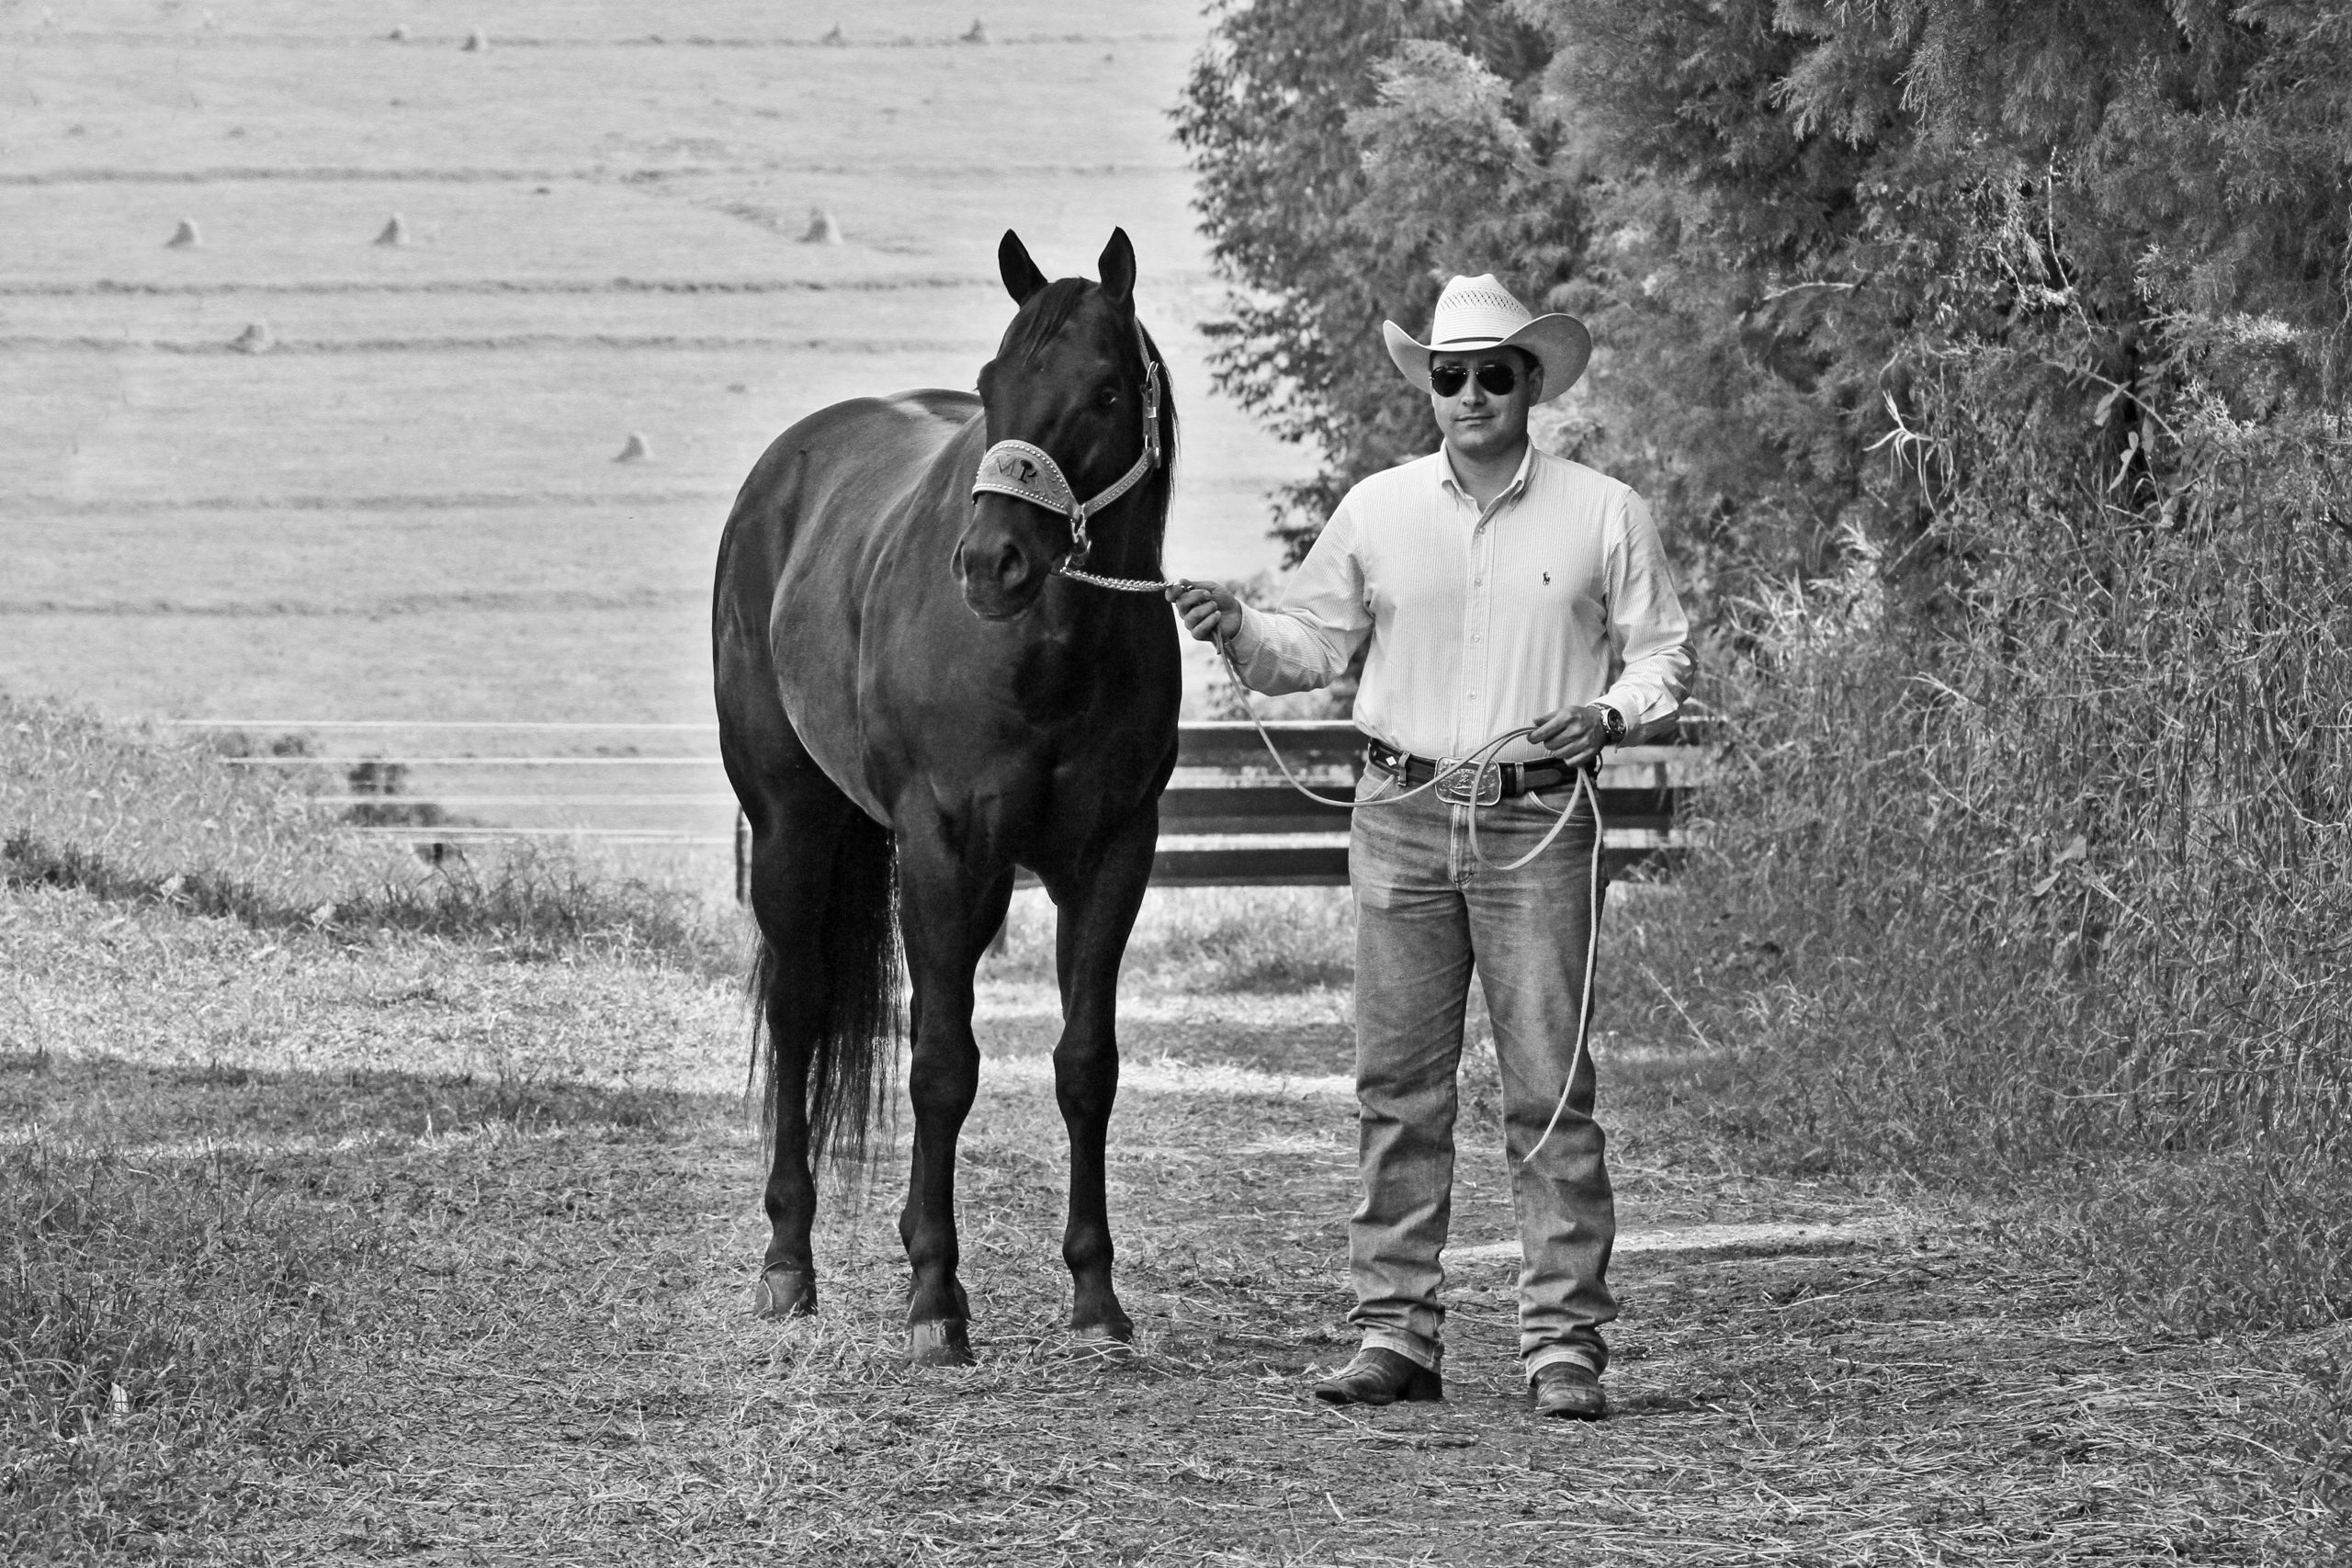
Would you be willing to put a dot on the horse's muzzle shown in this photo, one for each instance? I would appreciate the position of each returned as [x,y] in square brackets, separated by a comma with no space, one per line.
[1001,578]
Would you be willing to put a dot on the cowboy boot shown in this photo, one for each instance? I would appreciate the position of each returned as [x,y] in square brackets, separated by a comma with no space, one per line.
[1380,1377]
[1569,1390]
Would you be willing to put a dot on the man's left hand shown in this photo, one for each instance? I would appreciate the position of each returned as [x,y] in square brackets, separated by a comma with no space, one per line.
[1575,735]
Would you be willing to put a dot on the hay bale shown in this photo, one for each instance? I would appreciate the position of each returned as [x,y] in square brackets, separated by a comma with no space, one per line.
[979,33]
[476,42]
[255,339]
[184,237]
[822,229]
[634,450]
[395,232]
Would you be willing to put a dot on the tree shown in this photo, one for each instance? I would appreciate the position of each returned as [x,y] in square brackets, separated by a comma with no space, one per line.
[1318,240]
[1779,218]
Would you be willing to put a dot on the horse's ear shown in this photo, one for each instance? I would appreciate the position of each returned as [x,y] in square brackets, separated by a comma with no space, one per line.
[1117,268]
[1021,278]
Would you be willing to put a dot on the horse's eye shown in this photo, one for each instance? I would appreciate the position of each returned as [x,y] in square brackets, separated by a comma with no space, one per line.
[1107,397]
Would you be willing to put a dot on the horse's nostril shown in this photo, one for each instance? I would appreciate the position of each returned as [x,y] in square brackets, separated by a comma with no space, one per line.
[1011,569]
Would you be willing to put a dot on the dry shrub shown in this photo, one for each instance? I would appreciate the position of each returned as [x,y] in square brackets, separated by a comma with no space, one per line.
[2053,867]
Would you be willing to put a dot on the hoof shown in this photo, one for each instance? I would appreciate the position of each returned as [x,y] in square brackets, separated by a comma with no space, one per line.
[1102,1342]
[938,1344]
[784,1293]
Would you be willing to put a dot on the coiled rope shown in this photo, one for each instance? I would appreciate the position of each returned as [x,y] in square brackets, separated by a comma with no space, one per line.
[1479,763]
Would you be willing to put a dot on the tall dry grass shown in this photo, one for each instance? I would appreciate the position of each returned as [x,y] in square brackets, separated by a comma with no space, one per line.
[2048,878]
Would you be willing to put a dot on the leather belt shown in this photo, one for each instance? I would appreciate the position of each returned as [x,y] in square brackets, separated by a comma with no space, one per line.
[1516,778]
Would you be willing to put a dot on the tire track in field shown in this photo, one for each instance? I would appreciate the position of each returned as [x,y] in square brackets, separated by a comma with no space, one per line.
[389,604]
[217,39]
[332,287]
[443,500]
[311,174]
[306,174]
[486,343]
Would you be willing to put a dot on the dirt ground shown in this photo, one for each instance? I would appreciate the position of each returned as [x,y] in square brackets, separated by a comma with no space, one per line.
[540,1345]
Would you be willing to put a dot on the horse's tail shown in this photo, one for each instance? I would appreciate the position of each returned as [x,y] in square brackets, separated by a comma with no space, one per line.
[852,1018]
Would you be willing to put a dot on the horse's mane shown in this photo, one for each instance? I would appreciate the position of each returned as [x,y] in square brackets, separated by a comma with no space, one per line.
[1166,477]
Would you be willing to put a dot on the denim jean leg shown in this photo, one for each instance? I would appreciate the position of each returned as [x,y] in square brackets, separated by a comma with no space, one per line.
[1530,927]
[1412,982]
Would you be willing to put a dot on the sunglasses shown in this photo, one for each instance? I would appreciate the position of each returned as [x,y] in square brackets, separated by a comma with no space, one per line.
[1496,376]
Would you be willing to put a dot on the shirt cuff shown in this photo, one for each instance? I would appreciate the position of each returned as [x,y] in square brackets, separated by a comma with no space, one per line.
[1645,713]
[1249,636]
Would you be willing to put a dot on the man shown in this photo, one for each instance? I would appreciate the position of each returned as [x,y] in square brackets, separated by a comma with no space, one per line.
[1500,587]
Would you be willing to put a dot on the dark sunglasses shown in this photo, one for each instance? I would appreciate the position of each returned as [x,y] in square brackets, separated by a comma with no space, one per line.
[1496,377]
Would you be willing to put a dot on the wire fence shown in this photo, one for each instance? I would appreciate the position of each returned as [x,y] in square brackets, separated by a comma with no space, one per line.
[525,783]
[1226,819]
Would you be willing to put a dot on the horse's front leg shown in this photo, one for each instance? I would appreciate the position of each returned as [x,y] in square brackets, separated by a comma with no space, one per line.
[947,914]
[1092,937]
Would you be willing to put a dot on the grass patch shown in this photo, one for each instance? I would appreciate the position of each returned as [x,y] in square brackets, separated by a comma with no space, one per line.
[1215,940]
[158,1323]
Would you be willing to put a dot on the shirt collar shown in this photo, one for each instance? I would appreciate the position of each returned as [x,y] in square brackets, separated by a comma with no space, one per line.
[1448,481]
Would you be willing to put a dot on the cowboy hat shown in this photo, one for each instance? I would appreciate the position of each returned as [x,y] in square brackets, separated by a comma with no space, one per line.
[1476,313]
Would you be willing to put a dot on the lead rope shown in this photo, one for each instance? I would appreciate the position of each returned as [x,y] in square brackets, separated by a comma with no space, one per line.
[1482,760]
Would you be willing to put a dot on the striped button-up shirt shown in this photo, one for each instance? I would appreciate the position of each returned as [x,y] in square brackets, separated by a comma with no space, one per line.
[1557,594]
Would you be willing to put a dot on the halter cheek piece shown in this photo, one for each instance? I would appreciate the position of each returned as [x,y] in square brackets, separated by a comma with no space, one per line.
[1029,473]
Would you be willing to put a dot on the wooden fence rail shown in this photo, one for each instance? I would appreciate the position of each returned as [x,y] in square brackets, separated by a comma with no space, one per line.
[1228,819]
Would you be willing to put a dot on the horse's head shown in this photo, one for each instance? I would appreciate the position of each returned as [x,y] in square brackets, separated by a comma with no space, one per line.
[1074,404]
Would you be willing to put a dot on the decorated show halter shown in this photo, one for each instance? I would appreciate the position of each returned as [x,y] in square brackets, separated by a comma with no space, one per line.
[1029,473]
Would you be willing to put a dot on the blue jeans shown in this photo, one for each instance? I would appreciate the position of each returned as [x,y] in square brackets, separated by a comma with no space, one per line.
[1427,914]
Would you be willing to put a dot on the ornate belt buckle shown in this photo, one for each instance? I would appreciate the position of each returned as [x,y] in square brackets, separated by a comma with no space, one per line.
[1458,785]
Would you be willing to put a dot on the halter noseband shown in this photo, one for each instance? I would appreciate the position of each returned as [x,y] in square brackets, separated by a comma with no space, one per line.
[1029,473]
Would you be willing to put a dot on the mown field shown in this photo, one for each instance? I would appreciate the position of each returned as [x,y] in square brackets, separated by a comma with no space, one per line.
[359,1213]
[408,506]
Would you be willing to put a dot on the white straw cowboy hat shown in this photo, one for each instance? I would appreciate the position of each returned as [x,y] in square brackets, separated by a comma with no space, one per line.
[1476,313]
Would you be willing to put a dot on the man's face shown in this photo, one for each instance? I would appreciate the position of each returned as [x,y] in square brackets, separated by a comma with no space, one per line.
[1477,420]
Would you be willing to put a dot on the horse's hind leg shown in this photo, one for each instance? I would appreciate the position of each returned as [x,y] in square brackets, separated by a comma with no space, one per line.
[1092,937]
[795,861]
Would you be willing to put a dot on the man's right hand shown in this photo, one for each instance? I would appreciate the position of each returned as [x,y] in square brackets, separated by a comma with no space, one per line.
[1208,612]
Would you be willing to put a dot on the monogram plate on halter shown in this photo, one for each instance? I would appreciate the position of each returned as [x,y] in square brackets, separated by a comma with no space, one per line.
[1455,784]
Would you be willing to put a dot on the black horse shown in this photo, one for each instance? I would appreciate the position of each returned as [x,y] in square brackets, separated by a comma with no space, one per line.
[904,675]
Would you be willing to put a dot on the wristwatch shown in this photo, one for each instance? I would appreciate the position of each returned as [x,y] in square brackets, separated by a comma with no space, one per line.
[1612,724]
